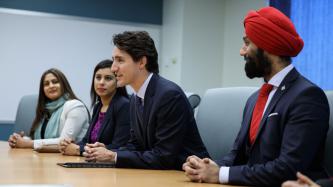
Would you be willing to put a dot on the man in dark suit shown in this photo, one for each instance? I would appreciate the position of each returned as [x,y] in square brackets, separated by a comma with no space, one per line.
[284,124]
[163,129]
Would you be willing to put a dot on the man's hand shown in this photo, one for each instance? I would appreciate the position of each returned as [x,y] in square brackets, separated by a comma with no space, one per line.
[191,168]
[96,144]
[201,170]
[303,181]
[98,153]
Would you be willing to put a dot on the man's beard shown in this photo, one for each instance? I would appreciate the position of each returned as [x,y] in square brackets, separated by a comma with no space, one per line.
[257,66]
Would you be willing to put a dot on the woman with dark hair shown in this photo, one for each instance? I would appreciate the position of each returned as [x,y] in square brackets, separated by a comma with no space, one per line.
[110,124]
[59,114]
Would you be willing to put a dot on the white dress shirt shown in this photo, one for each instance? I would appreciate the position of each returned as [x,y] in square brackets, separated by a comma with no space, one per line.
[142,91]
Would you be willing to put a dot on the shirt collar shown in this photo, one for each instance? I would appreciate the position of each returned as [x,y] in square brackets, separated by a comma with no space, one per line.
[142,91]
[278,78]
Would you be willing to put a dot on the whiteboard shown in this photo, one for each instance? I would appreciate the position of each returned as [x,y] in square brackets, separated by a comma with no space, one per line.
[31,43]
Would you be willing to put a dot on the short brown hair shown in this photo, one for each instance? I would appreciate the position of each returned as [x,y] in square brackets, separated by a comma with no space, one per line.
[138,44]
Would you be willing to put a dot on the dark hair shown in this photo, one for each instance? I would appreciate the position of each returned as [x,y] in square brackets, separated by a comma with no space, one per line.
[94,97]
[138,44]
[42,99]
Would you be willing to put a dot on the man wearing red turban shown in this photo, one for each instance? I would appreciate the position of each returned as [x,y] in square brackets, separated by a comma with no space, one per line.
[284,124]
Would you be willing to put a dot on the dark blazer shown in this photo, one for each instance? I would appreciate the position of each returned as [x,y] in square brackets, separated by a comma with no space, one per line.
[325,182]
[291,136]
[115,129]
[169,133]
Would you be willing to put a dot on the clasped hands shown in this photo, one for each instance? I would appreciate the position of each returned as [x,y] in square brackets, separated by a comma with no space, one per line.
[206,170]
[96,152]
[16,140]
[68,147]
[302,181]
[201,170]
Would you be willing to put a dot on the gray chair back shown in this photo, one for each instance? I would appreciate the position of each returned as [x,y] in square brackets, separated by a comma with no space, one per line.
[329,141]
[219,117]
[25,114]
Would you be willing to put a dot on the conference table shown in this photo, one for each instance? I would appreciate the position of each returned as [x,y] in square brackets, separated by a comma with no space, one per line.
[25,166]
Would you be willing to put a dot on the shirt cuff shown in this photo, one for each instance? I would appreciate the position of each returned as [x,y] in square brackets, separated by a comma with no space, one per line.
[38,144]
[115,158]
[224,175]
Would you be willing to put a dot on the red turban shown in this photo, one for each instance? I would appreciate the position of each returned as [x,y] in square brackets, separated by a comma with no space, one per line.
[272,31]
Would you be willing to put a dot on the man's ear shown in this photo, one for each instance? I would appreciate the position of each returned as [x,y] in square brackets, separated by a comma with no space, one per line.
[142,62]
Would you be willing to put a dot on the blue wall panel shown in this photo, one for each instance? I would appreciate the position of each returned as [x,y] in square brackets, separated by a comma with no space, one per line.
[6,128]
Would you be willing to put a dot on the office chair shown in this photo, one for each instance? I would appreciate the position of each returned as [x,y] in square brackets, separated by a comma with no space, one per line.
[329,141]
[194,99]
[219,118]
[25,114]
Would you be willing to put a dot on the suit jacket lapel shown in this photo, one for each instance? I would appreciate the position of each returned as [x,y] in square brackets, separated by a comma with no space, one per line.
[108,116]
[282,89]
[148,101]
[248,116]
[148,106]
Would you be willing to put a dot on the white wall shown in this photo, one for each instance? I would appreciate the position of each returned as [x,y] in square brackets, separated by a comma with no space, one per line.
[30,44]
[233,64]
[172,29]
[199,44]
[206,41]
[203,45]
